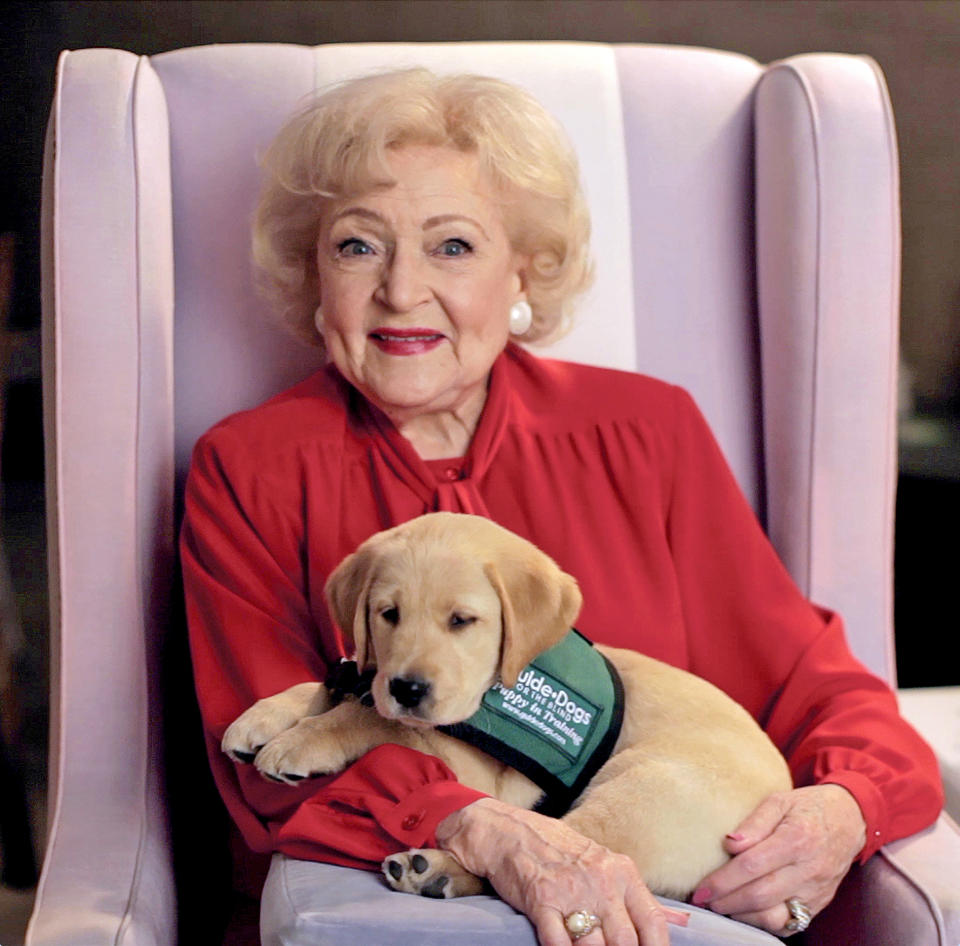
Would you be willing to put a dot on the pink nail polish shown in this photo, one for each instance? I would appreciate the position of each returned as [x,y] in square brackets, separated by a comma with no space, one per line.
[701,896]
[737,836]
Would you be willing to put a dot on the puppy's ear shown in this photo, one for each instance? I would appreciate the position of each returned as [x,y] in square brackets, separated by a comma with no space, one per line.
[347,590]
[539,604]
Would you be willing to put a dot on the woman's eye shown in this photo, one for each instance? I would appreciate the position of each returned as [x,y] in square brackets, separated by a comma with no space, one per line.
[354,247]
[460,621]
[455,247]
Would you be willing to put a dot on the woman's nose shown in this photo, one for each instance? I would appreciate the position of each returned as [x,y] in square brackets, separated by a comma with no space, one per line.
[404,284]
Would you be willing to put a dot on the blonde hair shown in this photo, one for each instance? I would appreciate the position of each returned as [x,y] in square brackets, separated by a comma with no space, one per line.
[338,145]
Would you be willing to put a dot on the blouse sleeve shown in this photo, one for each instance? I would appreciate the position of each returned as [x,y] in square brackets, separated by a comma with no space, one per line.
[253,634]
[754,635]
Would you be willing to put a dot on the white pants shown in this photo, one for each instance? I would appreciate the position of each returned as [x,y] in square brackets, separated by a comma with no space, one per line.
[308,904]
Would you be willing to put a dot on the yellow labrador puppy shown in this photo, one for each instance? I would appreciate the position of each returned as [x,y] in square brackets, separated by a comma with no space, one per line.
[450,608]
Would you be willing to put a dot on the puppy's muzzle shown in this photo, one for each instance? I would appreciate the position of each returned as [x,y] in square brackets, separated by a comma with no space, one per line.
[409,692]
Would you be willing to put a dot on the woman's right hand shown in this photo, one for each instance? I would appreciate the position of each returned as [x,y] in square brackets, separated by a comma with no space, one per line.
[546,870]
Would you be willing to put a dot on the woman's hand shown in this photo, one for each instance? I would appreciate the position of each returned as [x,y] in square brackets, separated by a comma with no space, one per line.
[547,870]
[795,844]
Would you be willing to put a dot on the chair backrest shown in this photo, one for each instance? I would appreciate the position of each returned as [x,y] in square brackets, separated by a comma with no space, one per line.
[746,237]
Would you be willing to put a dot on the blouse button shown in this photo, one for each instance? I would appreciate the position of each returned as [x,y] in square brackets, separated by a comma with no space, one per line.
[411,821]
[452,473]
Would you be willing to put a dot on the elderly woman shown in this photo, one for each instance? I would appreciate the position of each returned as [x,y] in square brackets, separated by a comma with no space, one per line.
[414,227]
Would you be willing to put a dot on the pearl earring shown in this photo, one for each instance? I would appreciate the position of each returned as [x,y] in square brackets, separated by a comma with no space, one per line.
[521,317]
[318,319]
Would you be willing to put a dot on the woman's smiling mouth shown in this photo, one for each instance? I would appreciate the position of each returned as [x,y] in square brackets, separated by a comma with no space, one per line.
[405,341]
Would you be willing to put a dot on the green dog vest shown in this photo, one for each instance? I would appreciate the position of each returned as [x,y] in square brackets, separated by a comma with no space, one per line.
[557,725]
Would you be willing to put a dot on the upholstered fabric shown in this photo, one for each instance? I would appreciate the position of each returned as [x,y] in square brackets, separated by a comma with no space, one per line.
[108,403]
[745,230]
[919,874]
[935,712]
[828,265]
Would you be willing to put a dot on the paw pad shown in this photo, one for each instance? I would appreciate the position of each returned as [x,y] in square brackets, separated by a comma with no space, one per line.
[419,872]
[430,873]
[435,888]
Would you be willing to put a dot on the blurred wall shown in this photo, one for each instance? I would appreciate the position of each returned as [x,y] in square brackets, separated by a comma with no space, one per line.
[917,43]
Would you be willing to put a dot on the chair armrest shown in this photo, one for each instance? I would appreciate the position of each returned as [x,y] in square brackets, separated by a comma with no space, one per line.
[935,713]
[906,893]
[931,860]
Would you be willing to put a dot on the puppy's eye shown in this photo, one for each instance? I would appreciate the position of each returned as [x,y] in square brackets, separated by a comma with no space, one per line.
[391,615]
[459,621]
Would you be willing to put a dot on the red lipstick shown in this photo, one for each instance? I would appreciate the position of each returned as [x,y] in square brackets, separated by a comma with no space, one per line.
[406,341]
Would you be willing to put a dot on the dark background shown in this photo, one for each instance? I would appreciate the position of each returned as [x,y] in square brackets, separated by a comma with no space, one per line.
[916,42]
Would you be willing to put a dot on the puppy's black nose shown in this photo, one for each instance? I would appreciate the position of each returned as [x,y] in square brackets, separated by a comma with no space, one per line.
[409,691]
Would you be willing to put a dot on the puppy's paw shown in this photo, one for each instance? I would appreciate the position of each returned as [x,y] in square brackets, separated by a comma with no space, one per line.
[303,751]
[430,873]
[269,717]
[249,733]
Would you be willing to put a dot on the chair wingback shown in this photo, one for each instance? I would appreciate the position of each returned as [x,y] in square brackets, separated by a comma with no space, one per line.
[108,406]
[828,261]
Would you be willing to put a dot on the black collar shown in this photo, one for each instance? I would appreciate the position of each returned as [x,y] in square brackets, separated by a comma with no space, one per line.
[345,679]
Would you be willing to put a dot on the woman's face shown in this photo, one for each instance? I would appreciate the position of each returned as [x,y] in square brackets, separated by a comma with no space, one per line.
[416,284]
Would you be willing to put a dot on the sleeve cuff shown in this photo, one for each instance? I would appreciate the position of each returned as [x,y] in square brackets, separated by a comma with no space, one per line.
[872,807]
[390,800]
[413,820]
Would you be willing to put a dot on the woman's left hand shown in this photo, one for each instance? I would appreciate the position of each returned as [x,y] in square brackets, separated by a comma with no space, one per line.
[795,844]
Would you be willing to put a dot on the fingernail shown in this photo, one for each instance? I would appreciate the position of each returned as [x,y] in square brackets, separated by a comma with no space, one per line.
[737,836]
[678,917]
[701,896]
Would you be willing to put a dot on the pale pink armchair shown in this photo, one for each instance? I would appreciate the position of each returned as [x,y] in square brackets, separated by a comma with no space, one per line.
[747,241]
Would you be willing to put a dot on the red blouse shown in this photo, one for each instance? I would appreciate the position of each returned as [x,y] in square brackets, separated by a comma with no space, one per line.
[614,475]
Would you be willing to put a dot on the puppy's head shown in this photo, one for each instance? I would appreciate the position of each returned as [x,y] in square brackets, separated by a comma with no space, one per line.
[443,606]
